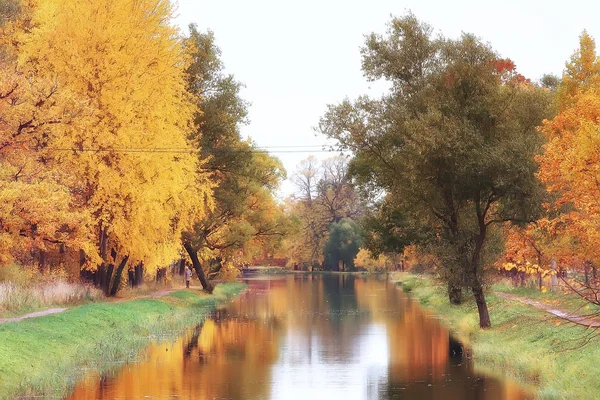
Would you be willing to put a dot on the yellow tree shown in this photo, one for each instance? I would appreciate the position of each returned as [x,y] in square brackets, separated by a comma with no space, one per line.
[37,210]
[131,165]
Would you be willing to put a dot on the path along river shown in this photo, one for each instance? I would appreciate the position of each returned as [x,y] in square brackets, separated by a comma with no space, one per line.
[308,337]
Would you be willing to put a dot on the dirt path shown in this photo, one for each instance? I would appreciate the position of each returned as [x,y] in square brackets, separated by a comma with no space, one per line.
[572,317]
[49,311]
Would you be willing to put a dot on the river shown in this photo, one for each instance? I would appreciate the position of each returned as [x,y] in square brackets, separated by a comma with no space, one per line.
[308,337]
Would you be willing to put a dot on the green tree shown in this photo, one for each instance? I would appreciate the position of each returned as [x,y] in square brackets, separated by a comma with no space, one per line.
[343,244]
[387,229]
[453,142]
[246,213]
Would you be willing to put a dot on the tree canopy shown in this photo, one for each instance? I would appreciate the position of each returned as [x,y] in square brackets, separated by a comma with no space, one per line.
[453,142]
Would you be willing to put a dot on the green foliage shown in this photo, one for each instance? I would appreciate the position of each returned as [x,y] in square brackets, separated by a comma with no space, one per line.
[246,213]
[387,229]
[345,240]
[452,145]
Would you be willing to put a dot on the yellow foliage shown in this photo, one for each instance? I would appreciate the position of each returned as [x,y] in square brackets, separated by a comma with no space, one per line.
[365,260]
[229,272]
[37,207]
[124,60]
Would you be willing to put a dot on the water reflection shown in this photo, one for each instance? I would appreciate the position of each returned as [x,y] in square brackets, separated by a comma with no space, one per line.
[308,337]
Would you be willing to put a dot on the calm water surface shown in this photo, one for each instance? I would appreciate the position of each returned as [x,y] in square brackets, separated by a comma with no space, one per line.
[308,337]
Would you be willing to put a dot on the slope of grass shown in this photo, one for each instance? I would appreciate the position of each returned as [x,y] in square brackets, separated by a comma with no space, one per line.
[529,344]
[46,356]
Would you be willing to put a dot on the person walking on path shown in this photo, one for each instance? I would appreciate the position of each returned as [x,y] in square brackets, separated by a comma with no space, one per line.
[188,276]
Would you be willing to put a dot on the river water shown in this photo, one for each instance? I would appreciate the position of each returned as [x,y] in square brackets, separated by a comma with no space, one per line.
[308,337]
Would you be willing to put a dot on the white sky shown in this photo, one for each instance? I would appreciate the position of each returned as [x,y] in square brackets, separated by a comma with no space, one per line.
[295,57]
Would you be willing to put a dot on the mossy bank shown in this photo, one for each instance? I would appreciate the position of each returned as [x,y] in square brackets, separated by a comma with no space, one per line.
[46,356]
[530,345]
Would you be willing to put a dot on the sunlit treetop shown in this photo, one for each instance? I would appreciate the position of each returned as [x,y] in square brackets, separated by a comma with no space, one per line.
[124,59]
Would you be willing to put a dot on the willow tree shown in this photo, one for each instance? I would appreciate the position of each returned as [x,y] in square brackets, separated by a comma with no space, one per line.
[246,213]
[453,141]
[129,160]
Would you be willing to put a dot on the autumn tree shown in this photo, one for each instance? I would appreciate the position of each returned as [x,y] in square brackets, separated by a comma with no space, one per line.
[325,195]
[246,214]
[453,141]
[570,165]
[37,209]
[129,162]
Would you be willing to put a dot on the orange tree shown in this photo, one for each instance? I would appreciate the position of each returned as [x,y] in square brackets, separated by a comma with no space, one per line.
[570,163]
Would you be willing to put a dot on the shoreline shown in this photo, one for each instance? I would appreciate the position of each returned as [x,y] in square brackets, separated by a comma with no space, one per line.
[532,347]
[47,356]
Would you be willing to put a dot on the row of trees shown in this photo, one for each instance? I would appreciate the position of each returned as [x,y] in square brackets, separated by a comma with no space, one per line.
[120,143]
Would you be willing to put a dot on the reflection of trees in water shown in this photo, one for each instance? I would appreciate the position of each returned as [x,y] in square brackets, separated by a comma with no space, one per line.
[201,365]
[341,295]
[306,319]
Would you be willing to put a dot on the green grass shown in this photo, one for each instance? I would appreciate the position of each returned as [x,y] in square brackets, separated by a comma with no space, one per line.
[529,344]
[46,356]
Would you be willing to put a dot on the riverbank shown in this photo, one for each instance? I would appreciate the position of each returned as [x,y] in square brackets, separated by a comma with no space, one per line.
[530,345]
[47,356]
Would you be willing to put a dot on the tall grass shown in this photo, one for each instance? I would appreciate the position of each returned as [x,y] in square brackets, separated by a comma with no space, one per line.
[22,291]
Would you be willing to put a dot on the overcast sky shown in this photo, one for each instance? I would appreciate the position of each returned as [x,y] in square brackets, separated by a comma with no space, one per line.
[295,57]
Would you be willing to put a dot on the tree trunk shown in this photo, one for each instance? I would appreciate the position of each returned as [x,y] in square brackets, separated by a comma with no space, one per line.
[522,278]
[539,260]
[100,278]
[139,274]
[198,267]
[131,277]
[42,261]
[554,278]
[454,293]
[103,243]
[484,315]
[81,259]
[109,272]
[118,276]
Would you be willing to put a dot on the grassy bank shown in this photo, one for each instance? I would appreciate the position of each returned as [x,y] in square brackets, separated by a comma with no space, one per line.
[47,356]
[529,344]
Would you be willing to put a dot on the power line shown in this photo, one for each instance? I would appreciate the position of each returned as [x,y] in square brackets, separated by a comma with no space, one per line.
[266,150]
